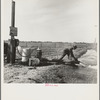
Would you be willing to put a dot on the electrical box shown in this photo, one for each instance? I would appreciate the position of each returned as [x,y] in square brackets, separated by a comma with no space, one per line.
[13,31]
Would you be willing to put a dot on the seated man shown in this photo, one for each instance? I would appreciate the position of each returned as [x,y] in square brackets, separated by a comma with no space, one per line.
[69,53]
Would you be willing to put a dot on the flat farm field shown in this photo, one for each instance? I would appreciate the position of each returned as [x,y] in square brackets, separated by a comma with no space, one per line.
[60,73]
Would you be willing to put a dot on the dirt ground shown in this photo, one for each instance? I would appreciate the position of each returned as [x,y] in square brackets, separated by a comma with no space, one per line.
[54,73]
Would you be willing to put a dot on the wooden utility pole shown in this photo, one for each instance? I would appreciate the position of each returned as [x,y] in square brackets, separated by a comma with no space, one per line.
[13,14]
[13,32]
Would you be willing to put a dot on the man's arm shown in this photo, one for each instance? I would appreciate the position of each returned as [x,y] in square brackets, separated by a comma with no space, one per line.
[71,51]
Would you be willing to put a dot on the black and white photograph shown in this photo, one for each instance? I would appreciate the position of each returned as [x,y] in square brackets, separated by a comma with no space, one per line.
[50,41]
[50,49]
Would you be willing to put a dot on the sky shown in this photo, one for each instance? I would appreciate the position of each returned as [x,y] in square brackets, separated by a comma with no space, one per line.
[52,20]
